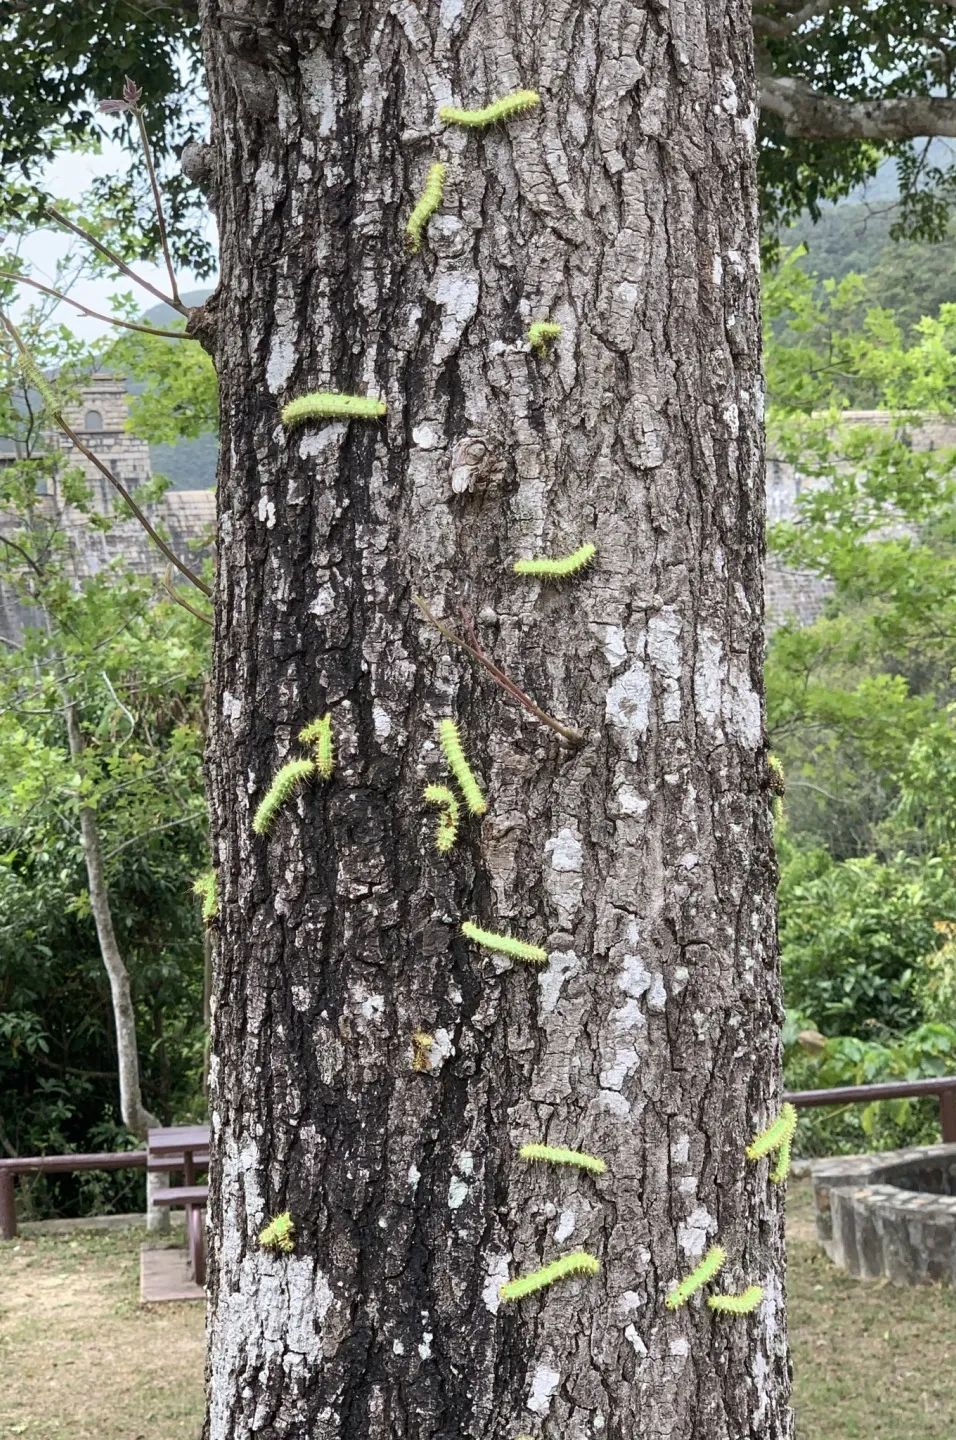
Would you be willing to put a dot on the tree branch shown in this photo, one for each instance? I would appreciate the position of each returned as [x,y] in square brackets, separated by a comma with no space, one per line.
[469,643]
[114,259]
[779,27]
[94,314]
[807,114]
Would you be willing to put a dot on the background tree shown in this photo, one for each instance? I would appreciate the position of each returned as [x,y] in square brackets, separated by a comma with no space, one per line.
[861,702]
[100,738]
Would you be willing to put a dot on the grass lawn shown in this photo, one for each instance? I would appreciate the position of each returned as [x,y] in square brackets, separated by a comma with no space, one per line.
[82,1360]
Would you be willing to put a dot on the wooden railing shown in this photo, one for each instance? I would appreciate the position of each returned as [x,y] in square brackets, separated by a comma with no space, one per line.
[943,1086]
[53,1165]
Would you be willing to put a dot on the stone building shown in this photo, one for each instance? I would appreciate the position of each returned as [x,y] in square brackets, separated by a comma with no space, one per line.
[184,517]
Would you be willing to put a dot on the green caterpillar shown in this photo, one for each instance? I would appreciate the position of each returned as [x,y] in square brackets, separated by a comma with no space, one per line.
[557,1155]
[318,734]
[504,944]
[431,198]
[284,785]
[560,568]
[779,1133]
[446,832]
[580,1263]
[697,1278]
[204,886]
[541,334]
[330,406]
[781,1169]
[279,1234]
[502,109]
[450,740]
[741,1304]
[422,1043]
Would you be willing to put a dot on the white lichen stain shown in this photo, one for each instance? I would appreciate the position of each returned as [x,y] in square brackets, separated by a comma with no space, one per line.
[442,1047]
[414,1175]
[457,1192]
[629,802]
[637,1344]
[497,1271]
[693,1232]
[664,651]
[565,851]
[627,707]
[615,649]
[267,511]
[563,963]
[565,1225]
[425,1348]
[543,1385]
[382,722]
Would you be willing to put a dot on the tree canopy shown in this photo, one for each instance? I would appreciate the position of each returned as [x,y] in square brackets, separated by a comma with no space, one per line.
[843,87]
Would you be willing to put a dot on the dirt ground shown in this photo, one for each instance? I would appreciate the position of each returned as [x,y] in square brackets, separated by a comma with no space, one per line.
[81,1359]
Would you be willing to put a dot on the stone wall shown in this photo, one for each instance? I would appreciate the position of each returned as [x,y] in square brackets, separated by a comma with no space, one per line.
[184,517]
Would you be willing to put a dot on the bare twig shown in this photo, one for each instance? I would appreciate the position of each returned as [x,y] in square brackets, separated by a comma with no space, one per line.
[177,599]
[94,314]
[114,259]
[471,645]
[158,203]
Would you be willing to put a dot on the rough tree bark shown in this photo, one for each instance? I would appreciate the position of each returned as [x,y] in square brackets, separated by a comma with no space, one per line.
[625,208]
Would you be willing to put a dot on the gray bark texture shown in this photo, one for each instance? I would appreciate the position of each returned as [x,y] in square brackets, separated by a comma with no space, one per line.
[624,207]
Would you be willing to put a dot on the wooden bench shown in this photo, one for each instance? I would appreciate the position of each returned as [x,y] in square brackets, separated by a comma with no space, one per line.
[192,1199]
[185,1148]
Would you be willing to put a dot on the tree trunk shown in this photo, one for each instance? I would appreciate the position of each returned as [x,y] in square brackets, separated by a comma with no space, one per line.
[624,207]
[135,1116]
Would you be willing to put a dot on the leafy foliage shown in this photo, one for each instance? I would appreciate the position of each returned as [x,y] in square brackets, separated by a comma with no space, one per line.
[131,667]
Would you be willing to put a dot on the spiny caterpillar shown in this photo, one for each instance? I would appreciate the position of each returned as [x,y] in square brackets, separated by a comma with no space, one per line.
[778,787]
[204,886]
[318,734]
[450,740]
[284,785]
[697,1278]
[421,1044]
[330,406]
[741,1304]
[541,333]
[557,1155]
[279,1234]
[560,568]
[777,1136]
[34,376]
[432,196]
[781,1169]
[504,944]
[580,1263]
[502,109]
[446,832]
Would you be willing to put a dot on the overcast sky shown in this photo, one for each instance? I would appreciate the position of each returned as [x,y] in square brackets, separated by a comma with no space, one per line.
[68,177]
